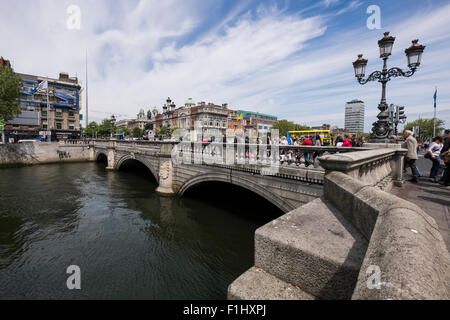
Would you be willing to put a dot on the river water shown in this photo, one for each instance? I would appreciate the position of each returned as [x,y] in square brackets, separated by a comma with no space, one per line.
[128,242]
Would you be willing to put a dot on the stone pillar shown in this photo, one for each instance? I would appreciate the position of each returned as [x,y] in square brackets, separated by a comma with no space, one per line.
[166,170]
[165,178]
[397,164]
[91,152]
[111,153]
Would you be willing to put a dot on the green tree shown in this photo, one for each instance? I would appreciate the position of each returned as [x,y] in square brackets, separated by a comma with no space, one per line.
[425,127]
[173,129]
[125,131]
[91,129]
[105,129]
[284,126]
[10,84]
[301,127]
[162,131]
[137,132]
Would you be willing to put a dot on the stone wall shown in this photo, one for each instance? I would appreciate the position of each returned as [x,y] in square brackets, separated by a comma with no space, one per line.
[356,242]
[44,152]
[405,247]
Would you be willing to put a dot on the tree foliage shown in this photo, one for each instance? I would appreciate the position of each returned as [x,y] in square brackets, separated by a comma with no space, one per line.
[10,84]
[162,131]
[284,126]
[425,131]
[137,132]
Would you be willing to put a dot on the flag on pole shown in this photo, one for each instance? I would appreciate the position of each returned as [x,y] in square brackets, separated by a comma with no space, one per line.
[435,97]
[43,86]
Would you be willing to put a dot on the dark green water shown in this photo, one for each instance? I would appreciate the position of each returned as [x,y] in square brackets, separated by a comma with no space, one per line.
[128,242]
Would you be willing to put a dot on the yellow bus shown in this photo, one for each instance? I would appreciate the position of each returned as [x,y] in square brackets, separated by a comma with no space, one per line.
[325,136]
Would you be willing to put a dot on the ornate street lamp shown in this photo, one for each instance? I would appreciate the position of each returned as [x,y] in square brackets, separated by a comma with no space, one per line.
[383,129]
[112,122]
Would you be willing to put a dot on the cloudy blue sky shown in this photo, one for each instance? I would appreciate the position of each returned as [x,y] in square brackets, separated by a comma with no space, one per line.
[287,58]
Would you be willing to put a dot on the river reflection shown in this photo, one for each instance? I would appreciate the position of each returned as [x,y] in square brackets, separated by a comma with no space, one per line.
[129,242]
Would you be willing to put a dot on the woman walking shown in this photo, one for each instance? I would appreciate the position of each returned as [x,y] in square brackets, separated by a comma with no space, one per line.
[433,154]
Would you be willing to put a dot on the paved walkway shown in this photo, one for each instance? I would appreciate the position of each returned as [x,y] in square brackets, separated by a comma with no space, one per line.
[430,197]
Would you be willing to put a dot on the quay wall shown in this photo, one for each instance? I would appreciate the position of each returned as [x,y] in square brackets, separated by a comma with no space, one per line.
[33,153]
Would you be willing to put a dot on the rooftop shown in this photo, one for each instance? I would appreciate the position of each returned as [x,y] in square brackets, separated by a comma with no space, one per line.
[250,113]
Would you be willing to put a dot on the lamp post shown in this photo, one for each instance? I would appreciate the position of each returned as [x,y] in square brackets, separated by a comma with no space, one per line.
[383,128]
[113,122]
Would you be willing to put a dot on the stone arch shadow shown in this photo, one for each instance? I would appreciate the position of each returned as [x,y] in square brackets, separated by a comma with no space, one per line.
[100,156]
[243,183]
[127,157]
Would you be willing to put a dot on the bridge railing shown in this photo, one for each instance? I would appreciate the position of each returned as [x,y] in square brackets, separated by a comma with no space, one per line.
[262,154]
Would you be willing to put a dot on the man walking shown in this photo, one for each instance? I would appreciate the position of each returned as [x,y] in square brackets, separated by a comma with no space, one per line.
[411,157]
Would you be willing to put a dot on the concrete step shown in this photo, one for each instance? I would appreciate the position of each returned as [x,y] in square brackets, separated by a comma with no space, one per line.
[256,284]
[312,247]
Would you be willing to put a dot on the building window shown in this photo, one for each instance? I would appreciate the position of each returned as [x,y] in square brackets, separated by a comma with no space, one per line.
[71,114]
[58,125]
[58,112]
[71,125]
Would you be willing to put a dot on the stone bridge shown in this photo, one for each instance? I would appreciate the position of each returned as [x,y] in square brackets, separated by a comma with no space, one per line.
[289,187]
[343,234]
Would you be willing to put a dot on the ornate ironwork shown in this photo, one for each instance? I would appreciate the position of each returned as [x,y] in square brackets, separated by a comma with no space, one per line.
[387,75]
[376,75]
[397,72]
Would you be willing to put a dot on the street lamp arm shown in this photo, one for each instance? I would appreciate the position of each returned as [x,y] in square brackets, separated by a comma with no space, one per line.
[376,75]
[397,72]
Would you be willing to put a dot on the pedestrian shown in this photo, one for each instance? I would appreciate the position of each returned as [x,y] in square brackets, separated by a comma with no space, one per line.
[411,157]
[354,140]
[433,153]
[347,141]
[445,155]
[318,141]
[307,142]
[339,141]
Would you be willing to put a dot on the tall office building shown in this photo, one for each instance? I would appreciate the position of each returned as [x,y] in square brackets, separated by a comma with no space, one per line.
[354,116]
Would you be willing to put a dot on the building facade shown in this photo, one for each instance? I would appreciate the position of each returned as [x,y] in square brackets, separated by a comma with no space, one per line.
[354,116]
[45,117]
[257,123]
[209,118]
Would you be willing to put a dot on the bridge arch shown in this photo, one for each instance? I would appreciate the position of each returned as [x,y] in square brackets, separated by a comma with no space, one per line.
[241,182]
[101,157]
[129,157]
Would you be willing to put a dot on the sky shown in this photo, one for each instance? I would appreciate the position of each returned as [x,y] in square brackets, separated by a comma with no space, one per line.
[292,59]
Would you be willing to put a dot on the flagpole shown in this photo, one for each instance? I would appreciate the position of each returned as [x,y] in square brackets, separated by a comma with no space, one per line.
[48,116]
[434,119]
[87,94]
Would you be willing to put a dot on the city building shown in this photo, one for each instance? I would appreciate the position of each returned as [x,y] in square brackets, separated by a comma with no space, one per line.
[209,117]
[47,118]
[255,122]
[354,116]
[142,121]
[5,63]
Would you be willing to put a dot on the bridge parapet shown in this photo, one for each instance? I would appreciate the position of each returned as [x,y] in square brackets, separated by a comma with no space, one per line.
[355,242]
[376,167]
